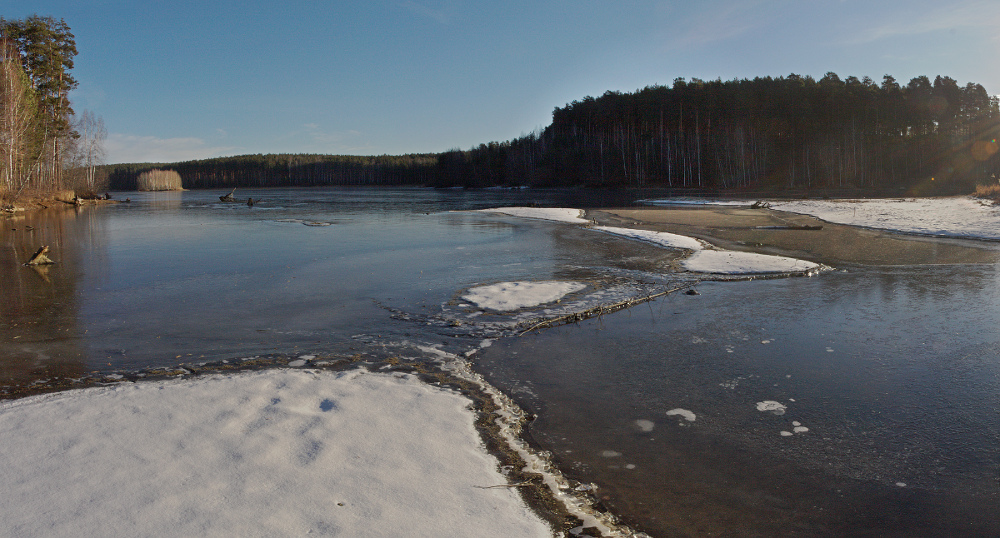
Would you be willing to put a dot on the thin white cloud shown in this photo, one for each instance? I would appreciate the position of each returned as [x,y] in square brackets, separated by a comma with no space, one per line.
[312,138]
[442,15]
[954,16]
[127,148]
[715,22]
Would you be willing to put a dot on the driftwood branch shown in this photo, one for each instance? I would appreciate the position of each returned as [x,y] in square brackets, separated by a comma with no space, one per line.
[790,227]
[39,257]
[601,309]
[523,484]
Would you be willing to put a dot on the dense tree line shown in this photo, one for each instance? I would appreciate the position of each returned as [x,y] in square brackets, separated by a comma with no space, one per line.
[286,170]
[794,132]
[41,145]
[767,133]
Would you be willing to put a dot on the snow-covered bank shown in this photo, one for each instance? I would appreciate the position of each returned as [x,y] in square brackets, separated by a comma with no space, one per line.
[269,453]
[956,216]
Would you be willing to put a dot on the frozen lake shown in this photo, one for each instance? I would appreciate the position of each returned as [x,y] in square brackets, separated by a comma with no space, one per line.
[862,402]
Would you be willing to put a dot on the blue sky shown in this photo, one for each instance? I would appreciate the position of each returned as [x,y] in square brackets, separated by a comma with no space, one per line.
[185,80]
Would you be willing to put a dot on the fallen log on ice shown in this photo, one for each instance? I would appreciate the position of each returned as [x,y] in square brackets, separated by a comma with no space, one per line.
[790,227]
[602,309]
[39,257]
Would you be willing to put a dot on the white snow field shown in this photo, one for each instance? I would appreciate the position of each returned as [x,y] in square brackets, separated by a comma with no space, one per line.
[269,453]
[955,216]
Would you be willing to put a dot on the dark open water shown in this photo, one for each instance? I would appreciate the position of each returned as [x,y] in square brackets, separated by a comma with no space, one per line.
[895,372]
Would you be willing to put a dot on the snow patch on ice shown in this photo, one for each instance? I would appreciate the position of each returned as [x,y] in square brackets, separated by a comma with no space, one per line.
[663,239]
[683,413]
[730,262]
[644,425]
[771,406]
[559,214]
[509,296]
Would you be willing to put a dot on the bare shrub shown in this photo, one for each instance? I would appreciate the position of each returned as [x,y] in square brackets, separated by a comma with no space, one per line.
[991,192]
[158,180]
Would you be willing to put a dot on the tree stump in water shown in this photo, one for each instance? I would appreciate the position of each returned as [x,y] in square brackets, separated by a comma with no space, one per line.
[39,257]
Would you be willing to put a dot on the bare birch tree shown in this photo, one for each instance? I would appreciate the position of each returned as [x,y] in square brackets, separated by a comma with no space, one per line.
[18,122]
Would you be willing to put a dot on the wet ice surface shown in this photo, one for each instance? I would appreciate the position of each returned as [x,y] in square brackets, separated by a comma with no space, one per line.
[885,377]
[180,277]
[815,398]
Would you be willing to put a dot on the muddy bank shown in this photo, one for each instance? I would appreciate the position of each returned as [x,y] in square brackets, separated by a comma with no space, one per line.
[786,234]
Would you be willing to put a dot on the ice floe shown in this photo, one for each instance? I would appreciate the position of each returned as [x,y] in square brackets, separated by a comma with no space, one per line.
[509,296]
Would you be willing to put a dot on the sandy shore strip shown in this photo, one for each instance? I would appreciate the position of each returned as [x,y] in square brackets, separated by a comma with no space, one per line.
[704,256]
[781,233]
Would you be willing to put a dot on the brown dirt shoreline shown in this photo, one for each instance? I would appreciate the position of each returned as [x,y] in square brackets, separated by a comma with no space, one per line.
[58,199]
[760,230]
